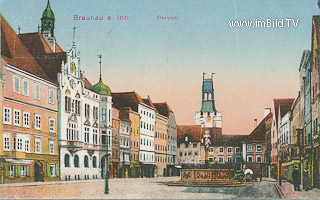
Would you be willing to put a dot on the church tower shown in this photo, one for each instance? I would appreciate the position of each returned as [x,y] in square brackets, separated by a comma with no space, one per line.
[208,116]
[47,20]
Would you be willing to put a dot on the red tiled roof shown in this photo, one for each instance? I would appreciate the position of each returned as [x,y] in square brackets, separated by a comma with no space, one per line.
[16,53]
[192,131]
[123,117]
[127,99]
[36,43]
[163,108]
[259,133]
[48,60]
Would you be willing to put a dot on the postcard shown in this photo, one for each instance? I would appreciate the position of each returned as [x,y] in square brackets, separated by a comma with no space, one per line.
[163,99]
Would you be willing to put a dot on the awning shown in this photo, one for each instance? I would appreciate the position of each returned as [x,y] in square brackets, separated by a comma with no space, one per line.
[18,161]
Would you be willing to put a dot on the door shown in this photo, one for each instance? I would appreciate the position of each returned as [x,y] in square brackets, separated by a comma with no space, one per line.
[37,172]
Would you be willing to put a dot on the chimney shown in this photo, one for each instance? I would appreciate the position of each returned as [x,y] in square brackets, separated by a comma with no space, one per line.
[266,112]
[255,123]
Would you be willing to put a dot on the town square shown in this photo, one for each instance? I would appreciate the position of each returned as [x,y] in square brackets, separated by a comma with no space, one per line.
[159,99]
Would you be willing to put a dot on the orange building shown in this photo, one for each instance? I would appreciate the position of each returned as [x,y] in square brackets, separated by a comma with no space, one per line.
[29,141]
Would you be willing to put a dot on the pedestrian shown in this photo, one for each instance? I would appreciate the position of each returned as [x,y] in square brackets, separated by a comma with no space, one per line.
[296,178]
[306,180]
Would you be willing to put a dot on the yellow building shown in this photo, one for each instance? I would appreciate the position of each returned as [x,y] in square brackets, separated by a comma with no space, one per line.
[160,144]
[134,141]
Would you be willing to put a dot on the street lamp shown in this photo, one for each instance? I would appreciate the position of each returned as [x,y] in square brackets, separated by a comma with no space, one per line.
[106,188]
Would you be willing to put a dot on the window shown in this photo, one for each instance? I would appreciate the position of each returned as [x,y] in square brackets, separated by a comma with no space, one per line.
[195,153]
[180,153]
[86,135]
[27,144]
[51,96]
[249,147]
[221,150]
[238,150]
[76,161]
[19,144]
[221,159]
[37,91]
[229,159]
[51,146]
[24,170]
[12,170]
[25,87]
[7,115]
[86,161]
[37,145]
[94,162]
[66,160]
[26,119]
[211,149]
[194,145]
[52,170]
[103,115]
[237,159]
[95,136]
[37,121]
[52,125]
[6,141]
[229,150]
[16,117]
[258,148]
[258,158]
[190,153]
[16,84]
[72,132]
[249,159]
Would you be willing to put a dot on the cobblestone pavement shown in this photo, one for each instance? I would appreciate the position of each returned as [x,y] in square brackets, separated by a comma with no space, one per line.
[288,192]
[147,188]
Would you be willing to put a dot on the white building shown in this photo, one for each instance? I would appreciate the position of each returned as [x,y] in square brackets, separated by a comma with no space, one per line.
[285,131]
[208,116]
[79,125]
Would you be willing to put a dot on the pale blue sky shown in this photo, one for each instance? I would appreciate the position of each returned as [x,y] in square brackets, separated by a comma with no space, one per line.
[165,59]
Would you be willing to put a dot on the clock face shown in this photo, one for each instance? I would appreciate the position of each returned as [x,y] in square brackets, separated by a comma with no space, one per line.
[73,67]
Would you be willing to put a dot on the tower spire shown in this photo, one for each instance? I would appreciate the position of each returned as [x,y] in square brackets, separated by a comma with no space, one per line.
[100,56]
[74,35]
[47,20]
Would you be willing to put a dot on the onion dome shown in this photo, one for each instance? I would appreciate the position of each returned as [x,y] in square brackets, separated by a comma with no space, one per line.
[101,88]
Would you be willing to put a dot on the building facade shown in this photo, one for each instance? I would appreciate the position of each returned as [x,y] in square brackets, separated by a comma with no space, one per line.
[29,141]
[114,162]
[160,144]
[124,145]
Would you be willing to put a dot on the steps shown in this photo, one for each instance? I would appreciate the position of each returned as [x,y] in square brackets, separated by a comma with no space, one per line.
[208,183]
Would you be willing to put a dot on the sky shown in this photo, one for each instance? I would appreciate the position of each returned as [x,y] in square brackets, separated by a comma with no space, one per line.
[165,59]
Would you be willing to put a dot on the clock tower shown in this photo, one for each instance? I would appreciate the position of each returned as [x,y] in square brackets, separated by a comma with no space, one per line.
[208,116]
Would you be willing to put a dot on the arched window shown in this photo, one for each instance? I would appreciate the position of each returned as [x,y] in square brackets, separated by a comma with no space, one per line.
[86,161]
[66,160]
[76,161]
[94,162]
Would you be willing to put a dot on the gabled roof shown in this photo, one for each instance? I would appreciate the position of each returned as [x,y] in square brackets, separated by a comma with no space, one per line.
[163,109]
[192,131]
[16,53]
[285,106]
[126,99]
[123,117]
[149,103]
[259,134]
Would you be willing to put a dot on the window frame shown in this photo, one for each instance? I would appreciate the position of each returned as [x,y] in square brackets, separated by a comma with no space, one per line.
[52,101]
[14,117]
[23,89]
[251,148]
[36,125]
[6,143]
[9,122]
[36,85]
[14,84]
[36,142]
[257,148]
[24,121]
[220,149]
[51,147]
